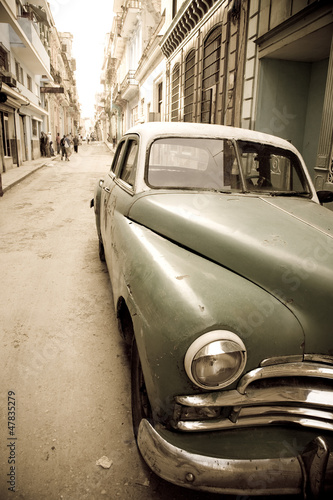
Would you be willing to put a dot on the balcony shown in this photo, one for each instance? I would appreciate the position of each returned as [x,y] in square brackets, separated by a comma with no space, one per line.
[129,86]
[130,8]
[56,75]
[118,42]
[27,46]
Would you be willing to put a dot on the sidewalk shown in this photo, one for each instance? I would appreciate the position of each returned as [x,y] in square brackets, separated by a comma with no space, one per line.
[17,174]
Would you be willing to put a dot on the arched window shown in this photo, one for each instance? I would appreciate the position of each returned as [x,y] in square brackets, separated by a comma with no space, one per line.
[210,74]
[189,86]
[175,87]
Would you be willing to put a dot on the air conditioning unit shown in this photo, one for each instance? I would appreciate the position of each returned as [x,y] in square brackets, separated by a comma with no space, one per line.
[9,80]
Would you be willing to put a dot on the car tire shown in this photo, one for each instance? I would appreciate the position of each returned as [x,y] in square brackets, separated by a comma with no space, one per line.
[101,251]
[140,403]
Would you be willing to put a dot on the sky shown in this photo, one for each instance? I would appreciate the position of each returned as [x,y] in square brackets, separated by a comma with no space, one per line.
[89,21]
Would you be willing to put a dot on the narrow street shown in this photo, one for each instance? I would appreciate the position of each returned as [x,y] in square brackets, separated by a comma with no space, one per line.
[62,361]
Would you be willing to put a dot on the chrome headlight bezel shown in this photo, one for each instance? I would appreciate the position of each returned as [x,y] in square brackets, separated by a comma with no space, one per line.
[220,342]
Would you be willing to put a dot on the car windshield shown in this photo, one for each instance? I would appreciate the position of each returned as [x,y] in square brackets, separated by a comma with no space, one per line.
[213,164]
[272,169]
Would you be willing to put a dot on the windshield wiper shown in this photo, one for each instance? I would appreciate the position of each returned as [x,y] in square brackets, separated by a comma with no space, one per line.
[289,193]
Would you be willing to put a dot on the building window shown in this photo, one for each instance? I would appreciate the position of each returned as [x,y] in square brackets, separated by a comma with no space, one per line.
[175,87]
[17,71]
[3,58]
[189,86]
[174,8]
[135,115]
[160,97]
[34,128]
[210,75]
[29,83]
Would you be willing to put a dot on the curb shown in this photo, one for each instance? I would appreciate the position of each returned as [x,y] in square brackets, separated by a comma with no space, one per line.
[24,176]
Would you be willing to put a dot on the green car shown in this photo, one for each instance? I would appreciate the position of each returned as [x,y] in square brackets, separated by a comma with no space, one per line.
[220,256]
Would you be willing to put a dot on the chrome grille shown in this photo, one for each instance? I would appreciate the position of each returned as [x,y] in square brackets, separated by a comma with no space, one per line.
[280,391]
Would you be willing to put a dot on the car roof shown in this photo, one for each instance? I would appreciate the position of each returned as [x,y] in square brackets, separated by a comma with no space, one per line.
[152,130]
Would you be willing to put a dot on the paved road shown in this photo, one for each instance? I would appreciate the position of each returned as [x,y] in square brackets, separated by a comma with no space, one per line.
[61,358]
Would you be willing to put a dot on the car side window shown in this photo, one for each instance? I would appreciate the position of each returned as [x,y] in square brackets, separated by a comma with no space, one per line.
[130,161]
[116,158]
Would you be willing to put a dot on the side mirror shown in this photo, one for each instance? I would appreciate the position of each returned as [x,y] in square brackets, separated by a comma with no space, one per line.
[325,196]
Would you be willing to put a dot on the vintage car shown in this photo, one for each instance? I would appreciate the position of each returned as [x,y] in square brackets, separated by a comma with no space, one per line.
[220,255]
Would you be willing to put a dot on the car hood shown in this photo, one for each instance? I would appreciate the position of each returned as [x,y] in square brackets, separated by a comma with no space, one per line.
[283,245]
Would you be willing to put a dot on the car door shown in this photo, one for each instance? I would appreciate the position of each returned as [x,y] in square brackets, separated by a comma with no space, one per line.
[118,192]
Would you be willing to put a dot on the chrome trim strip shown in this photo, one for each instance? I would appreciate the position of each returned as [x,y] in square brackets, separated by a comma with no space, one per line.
[264,396]
[222,475]
[253,421]
[316,358]
[297,358]
[252,405]
[285,370]
[278,410]
[319,358]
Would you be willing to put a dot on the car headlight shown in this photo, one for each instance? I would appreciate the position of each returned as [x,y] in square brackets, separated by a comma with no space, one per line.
[215,360]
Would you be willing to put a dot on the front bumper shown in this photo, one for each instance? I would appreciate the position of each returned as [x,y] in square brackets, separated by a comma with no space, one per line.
[309,474]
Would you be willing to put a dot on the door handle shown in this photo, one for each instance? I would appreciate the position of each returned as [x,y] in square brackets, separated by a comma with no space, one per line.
[106,189]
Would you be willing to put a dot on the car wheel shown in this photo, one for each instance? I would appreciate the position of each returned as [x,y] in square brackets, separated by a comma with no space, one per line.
[101,251]
[140,403]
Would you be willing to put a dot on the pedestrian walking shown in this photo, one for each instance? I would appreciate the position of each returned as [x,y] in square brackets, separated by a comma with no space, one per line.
[76,144]
[47,146]
[42,144]
[64,144]
[49,136]
[58,139]
[70,144]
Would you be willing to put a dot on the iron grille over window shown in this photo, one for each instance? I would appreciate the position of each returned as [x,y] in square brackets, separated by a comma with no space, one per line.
[211,70]
[175,94]
[189,86]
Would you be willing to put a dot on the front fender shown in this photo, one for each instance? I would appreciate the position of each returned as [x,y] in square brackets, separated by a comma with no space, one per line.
[176,296]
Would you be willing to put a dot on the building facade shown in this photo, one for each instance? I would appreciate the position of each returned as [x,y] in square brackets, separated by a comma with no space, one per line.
[260,64]
[289,80]
[64,108]
[29,67]
[133,67]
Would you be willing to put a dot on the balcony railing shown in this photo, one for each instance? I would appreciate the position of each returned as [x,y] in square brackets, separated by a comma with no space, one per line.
[128,80]
[129,85]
